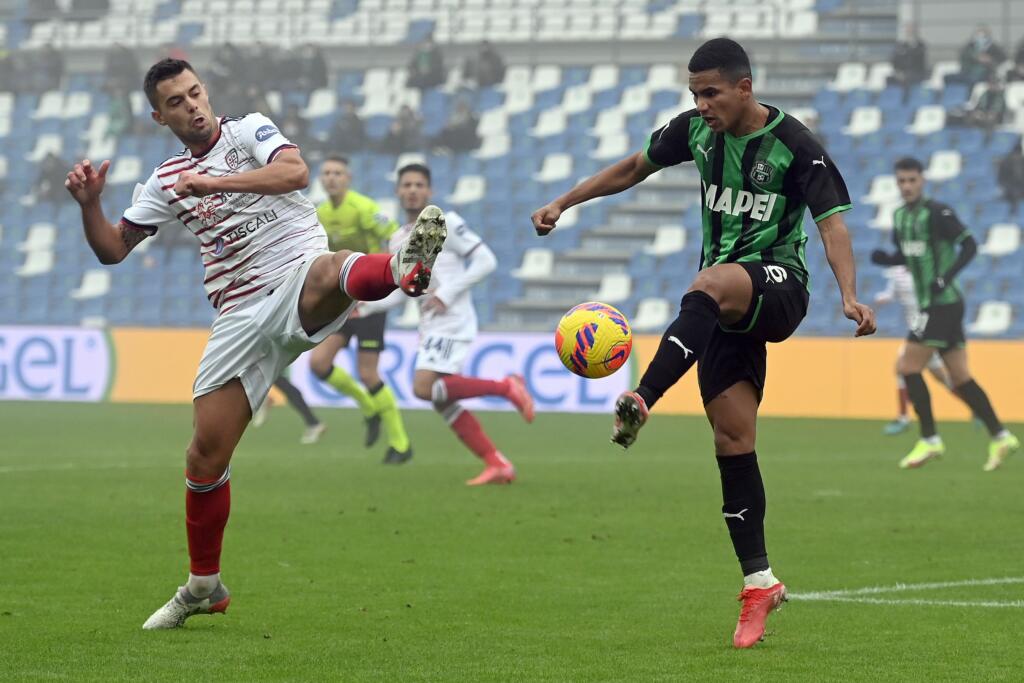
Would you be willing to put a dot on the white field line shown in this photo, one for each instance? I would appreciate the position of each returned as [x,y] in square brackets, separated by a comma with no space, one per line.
[860,595]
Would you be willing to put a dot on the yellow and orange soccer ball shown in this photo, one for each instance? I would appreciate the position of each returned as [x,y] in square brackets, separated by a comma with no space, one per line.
[593,340]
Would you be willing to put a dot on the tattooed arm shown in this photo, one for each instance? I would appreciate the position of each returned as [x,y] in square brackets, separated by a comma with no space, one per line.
[110,243]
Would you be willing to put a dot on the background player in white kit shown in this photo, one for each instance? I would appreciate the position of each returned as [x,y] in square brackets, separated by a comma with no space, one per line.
[448,326]
[900,289]
[277,289]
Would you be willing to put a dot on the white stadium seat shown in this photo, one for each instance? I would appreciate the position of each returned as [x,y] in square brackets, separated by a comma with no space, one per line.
[615,287]
[495,145]
[556,167]
[36,263]
[537,263]
[1002,239]
[878,77]
[994,317]
[669,239]
[944,165]
[652,315]
[125,169]
[40,237]
[883,218]
[939,73]
[468,189]
[321,103]
[577,99]
[551,122]
[609,121]
[850,76]
[864,120]
[928,119]
[612,146]
[95,283]
[603,77]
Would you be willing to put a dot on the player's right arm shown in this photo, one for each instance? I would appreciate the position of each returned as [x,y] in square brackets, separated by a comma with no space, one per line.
[668,146]
[110,243]
[881,257]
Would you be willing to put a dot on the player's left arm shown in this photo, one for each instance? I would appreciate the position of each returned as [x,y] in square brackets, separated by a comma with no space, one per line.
[948,226]
[480,262]
[286,172]
[825,193]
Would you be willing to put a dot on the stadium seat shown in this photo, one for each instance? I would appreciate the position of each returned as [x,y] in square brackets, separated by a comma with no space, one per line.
[863,121]
[468,189]
[95,283]
[36,263]
[1003,239]
[551,122]
[669,239]
[496,145]
[126,169]
[615,287]
[928,120]
[944,165]
[603,77]
[850,76]
[40,237]
[994,318]
[612,146]
[557,166]
[939,73]
[537,263]
[652,315]
[45,144]
[883,190]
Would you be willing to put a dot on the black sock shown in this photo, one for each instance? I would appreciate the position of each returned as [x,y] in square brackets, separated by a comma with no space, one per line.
[374,389]
[917,390]
[681,346]
[295,400]
[977,400]
[743,509]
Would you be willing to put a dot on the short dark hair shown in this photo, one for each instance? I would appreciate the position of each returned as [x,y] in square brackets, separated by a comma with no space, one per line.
[723,54]
[337,158]
[415,168]
[908,164]
[161,71]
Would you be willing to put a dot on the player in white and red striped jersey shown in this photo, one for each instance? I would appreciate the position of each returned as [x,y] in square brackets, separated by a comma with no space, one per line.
[277,289]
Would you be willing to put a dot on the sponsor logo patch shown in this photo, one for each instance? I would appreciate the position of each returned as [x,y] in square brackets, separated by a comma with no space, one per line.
[265,133]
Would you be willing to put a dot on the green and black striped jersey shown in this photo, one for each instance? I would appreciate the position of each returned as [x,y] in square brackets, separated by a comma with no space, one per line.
[928,234]
[754,188]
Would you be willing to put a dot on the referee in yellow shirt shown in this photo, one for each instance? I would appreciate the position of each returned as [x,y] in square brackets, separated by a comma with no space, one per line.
[355,222]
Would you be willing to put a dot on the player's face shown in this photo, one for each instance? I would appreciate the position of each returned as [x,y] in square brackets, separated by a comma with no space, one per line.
[911,184]
[184,106]
[413,191]
[335,177]
[719,101]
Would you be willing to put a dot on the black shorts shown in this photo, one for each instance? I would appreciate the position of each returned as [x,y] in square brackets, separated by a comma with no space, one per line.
[368,330]
[737,353]
[940,327]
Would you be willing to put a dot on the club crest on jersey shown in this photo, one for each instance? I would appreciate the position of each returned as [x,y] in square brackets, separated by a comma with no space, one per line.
[265,133]
[206,209]
[231,159]
[762,172]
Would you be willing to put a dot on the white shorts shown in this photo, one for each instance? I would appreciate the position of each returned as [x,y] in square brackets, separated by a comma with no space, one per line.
[258,340]
[442,354]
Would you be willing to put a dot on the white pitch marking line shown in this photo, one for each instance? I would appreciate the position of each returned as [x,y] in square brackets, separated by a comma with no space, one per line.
[857,594]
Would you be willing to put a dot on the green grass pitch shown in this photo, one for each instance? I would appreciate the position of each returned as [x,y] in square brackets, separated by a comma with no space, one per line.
[598,565]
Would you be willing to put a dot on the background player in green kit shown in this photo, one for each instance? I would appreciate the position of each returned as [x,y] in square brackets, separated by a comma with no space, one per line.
[356,221]
[935,247]
[760,170]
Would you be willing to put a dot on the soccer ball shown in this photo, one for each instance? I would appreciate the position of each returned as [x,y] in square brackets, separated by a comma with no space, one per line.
[593,340]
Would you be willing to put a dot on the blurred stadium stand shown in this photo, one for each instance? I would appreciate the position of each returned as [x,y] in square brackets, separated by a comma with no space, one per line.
[550,122]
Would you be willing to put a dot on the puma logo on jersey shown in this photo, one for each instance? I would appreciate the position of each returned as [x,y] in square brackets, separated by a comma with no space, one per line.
[914,248]
[735,515]
[686,352]
[705,152]
[817,162]
[758,205]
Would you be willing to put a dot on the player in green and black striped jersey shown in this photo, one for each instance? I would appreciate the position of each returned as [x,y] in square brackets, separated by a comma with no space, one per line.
[761,170]
[934,246]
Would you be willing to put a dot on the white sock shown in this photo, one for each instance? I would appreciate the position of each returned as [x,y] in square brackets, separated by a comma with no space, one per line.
[761,579]
[1002,435]
[202,586]
[933,440]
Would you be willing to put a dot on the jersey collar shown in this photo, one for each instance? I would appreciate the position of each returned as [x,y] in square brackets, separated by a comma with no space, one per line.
[775,117]
[213,142]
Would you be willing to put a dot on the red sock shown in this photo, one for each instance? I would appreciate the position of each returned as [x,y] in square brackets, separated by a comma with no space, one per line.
[469,431]
[367,277]
[458,387]
[207,505]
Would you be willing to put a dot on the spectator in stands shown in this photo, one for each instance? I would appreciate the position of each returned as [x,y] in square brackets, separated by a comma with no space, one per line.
[980,57]
[53,171]
[349,131]
[405,133]
[312,69]
[909,61]
[1016,72]
[459,133]
[988,112]
[426,68]
[122,68]
[296,128]
[486,68]
[1011,175]
[120,120]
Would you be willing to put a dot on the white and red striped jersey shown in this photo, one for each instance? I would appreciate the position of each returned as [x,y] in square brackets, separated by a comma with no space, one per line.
[248,242]
[900,288]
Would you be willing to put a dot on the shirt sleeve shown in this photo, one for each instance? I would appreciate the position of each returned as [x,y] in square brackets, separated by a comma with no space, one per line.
[818,179]
[373,218]
[149,210]
[947,225]
[262,138]
[461,240]
[670,144]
